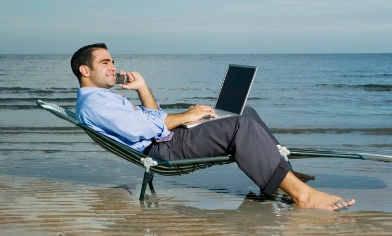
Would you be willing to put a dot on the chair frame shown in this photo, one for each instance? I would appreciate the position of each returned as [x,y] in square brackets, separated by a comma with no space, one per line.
[162,167]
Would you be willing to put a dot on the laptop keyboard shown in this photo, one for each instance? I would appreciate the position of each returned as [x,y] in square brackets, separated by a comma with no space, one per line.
[221,113]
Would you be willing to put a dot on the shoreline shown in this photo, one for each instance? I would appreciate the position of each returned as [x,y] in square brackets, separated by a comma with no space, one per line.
[45,207]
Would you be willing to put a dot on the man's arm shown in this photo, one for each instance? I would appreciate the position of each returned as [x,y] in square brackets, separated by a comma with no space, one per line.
[147,99]
[193,114]
[136,82]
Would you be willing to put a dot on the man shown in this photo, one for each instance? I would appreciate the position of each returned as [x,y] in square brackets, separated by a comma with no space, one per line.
[150,130]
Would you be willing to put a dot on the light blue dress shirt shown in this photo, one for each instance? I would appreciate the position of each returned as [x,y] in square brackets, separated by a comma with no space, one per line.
[114,116]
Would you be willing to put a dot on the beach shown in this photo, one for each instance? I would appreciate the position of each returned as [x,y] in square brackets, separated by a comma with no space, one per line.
[54,180]
[189,205]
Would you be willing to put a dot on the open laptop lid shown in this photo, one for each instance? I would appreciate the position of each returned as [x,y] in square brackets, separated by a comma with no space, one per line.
[235,88]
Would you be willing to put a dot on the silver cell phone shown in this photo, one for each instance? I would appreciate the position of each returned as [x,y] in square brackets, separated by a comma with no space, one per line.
[121,79]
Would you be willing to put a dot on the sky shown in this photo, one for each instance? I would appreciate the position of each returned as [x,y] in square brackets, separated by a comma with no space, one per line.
[197,26]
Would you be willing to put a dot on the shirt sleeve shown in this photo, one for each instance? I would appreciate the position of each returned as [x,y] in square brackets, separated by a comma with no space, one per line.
[130,124]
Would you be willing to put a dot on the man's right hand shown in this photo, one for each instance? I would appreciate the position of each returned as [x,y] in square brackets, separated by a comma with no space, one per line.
[199,111]
[192,114]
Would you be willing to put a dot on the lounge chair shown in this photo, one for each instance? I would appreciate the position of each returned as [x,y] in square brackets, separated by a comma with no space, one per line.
[166,168]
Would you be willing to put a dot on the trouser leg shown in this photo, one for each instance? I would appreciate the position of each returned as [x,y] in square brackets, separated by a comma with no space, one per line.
[251,145]
[250,112]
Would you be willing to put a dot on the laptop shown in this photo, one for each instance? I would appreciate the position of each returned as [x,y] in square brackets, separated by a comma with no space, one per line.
[233,94]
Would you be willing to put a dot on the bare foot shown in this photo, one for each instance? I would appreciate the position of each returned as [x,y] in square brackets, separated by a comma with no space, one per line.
[305,196]
[324,201]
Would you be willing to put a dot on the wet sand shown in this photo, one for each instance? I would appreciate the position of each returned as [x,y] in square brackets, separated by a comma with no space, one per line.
[189,205]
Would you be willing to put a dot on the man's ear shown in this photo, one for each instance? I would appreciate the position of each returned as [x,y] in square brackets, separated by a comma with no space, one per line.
[84,70]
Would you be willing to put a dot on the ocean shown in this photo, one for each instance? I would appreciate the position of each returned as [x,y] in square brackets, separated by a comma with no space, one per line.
[337,102]
[323,101]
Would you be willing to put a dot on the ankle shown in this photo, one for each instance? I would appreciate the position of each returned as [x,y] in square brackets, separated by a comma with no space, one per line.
[298,191]
[302,197]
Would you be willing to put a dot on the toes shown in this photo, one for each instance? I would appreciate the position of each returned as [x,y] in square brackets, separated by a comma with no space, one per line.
[342,203]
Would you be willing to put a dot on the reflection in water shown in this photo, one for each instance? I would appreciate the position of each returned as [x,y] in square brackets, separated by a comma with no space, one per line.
[42,207]
[260,215]
[349,182]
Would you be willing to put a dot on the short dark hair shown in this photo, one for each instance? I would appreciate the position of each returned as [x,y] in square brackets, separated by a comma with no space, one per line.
[84,56]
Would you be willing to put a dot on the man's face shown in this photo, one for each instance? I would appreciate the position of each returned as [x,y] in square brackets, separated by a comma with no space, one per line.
[103,73]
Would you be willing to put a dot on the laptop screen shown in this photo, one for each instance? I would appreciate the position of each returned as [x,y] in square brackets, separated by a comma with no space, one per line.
[235,88]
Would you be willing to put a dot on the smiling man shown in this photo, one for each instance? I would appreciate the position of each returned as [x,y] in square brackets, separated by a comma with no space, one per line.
[148,129]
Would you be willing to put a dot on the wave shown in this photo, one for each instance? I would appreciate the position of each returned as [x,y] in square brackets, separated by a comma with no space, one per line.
[257,98]
[38,150]
[377,75]
[62,130]
[40,91]
[370,131]
[201,98]
[177,106]
[366,87]
[214,98]
[29,103]
[32,100]
[377,87]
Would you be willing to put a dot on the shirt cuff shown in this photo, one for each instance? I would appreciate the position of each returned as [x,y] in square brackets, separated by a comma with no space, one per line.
[151,110]
[166,138]
[158,118]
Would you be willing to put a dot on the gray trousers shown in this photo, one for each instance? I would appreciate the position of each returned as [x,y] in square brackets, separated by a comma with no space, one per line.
[244,137]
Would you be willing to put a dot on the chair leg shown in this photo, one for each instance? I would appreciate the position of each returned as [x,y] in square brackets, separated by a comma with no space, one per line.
[150,184]
[148,176]
[147,179]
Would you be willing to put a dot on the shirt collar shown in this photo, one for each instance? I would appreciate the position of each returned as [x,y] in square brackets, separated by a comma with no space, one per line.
[86,90]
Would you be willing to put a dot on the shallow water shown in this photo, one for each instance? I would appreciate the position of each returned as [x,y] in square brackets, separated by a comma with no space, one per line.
[54,179]
[215,201]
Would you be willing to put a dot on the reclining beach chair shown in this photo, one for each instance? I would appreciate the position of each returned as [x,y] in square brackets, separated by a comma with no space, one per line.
[165,168]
